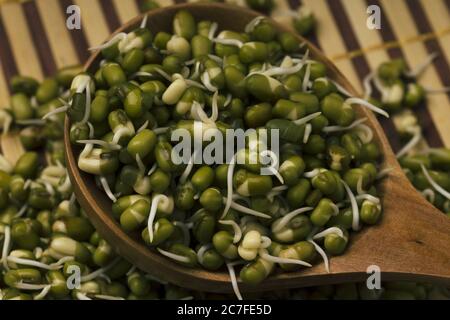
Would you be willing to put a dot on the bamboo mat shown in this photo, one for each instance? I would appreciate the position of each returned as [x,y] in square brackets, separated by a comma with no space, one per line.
[34,41]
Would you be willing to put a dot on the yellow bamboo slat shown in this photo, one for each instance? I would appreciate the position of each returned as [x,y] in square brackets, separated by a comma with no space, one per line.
[415,53]
[356,12]
[58,36]
[126,9]
[330,39]
[20,39]
[93,22]
[439,18]
[4,93]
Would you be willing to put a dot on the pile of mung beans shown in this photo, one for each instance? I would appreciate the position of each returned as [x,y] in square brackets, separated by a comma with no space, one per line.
[303,20]
[429,172]
[44,234]
[401,94]
[214,215]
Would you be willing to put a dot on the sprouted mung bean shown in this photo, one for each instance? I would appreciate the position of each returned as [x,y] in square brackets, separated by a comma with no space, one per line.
[398,86]
[427,168]
[34,236]
[430,173]
[148,5]
[303,19]
[148,86]
[265,6]
[44,234]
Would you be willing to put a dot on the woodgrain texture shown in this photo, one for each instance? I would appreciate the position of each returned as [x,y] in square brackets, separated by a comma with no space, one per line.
[411,243]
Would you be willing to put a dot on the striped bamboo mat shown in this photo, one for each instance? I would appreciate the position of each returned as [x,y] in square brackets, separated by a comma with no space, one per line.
[34,41]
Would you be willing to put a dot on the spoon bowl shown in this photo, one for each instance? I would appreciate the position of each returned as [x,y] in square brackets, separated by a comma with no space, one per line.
[412,242]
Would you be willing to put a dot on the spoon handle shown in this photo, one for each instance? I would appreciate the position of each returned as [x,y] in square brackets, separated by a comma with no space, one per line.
[416,235]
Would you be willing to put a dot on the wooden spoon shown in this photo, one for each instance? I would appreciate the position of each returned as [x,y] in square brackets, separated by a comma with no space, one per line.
[411,243]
